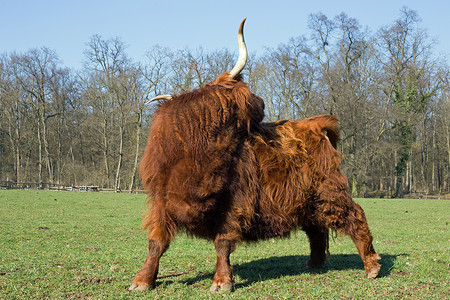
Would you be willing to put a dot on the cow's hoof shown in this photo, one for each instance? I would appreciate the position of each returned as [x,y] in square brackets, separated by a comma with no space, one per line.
[139,287]
[373,273]
[315,264]
[227,287]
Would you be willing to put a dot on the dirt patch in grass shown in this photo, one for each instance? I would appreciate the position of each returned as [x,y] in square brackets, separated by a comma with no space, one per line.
[400,273]
[75,295]
[96,280]
[91,249]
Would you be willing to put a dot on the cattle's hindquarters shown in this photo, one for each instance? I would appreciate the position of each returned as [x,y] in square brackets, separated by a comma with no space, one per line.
[333,206]
[337,210]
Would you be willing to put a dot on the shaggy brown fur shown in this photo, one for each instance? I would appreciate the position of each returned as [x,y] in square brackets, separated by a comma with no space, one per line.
[213,169]
[194,143]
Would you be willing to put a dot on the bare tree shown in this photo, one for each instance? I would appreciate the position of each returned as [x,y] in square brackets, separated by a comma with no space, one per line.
[38,69]
[107,62]
[406,47]
[13,110]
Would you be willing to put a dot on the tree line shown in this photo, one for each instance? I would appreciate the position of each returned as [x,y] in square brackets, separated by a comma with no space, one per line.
[388,88]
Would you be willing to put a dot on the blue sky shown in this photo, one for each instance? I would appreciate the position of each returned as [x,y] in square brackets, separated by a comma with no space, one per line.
[66,26]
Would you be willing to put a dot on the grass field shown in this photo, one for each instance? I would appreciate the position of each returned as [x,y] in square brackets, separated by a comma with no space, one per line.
[90,245]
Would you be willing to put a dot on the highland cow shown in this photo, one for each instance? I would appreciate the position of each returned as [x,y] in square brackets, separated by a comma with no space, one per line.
[213,169]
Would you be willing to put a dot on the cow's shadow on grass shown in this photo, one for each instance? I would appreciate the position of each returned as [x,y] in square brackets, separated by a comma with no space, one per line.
[279,266]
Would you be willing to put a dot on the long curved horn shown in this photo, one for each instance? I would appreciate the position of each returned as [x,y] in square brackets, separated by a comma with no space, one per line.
[242,60]
[160,97]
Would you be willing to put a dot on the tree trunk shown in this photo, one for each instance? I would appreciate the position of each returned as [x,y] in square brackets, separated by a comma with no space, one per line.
[40,154]
[136,156]
[16,147]
[47,150]
[119,163]
[354,185]
[105,153]
[18,175]
[435,164]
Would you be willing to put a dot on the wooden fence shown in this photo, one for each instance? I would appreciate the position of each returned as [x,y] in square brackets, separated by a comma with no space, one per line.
[6,185]
[94,188]
[47,186]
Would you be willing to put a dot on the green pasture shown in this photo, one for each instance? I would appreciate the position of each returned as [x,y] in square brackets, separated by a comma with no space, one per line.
[56,245]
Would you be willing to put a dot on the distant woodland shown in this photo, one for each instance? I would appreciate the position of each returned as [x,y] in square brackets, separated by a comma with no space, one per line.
[388,87]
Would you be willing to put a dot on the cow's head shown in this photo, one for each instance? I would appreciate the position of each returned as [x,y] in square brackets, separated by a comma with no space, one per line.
[234,74]
[250,107]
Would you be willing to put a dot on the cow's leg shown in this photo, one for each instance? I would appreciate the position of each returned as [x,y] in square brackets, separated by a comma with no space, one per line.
[318,242]
[158,242]
[223,279]
[339,211]
[358,229]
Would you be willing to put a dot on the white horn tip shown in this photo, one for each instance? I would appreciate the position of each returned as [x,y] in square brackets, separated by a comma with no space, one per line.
[160,97]
[242,60]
